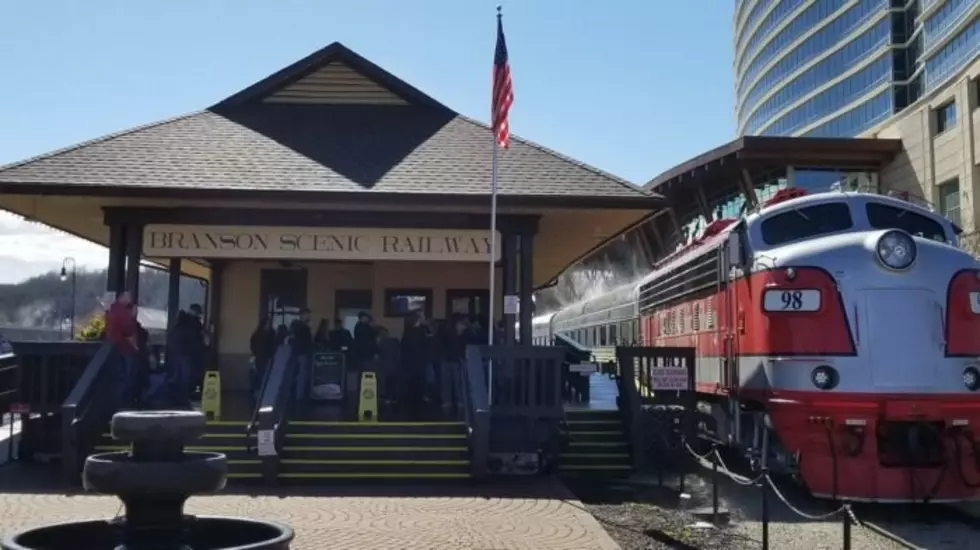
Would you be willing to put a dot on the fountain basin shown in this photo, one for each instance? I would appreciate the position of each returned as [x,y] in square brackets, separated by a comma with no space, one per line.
[197,533]
[119,473]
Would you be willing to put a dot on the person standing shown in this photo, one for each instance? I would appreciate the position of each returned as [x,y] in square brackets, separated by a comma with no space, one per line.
[340,338]
[121,331]
[365,342]
[196,345]
[414,355]
[302,344]
[263,347]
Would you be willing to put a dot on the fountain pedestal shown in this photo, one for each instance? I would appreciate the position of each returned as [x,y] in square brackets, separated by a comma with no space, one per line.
[154,481]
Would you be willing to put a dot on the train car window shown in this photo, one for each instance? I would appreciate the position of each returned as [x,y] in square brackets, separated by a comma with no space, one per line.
[883,216]
[602,336]
[805,223]
[612,335]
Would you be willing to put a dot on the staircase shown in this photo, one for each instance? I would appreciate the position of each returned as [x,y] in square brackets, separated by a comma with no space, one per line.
[221,437]
[320,450]
[595,445]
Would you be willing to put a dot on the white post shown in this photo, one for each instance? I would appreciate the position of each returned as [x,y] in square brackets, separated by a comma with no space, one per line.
[493,263]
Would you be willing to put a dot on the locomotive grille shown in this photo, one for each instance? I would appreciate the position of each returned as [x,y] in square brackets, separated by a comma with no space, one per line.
[916,444]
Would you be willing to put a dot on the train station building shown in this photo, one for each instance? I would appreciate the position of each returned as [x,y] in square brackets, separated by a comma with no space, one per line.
[332,185]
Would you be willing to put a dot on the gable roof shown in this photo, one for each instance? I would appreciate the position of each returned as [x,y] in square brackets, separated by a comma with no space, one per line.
[405,143]
[331,59]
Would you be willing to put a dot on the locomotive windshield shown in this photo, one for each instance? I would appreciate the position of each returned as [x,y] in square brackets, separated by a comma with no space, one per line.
[883,216]
[805,223]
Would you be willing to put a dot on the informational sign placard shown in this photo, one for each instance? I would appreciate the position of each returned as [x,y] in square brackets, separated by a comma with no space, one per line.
[669,378]
[512,304]
[328,377]
[267,443]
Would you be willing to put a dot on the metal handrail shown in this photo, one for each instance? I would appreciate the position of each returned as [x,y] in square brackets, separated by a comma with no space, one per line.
[253,420]
[80,418]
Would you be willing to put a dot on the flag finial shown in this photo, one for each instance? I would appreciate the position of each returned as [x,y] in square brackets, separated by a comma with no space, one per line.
[500,10]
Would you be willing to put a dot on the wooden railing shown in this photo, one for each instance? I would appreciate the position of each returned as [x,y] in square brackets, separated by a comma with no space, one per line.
[525,404]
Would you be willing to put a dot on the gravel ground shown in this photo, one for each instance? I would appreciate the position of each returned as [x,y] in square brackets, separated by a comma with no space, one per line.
[642,518]
[638,516]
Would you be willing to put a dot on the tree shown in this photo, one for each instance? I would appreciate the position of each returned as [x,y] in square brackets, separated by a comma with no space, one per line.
[94,329]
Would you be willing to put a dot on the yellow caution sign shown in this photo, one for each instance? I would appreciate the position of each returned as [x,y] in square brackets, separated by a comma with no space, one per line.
[367,407]
[211,395]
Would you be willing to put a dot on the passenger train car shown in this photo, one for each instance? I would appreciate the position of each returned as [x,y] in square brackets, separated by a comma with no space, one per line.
[837,339]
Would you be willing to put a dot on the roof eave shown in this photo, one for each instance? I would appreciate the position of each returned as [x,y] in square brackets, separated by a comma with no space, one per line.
[640,201]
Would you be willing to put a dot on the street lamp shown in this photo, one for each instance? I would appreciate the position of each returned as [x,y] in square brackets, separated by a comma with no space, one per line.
[69,261]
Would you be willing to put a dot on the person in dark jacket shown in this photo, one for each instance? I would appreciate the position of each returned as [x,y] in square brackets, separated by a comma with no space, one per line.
[416,345]
[340,337]
[181,345]
[301,340]
[263,347]
[321,338]
[196,344]
[365,342]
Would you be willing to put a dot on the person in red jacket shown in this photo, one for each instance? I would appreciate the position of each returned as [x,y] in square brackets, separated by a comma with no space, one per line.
[121,330]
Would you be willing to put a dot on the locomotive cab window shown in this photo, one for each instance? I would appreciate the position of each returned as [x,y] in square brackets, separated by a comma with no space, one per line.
[883,216]
[806,223]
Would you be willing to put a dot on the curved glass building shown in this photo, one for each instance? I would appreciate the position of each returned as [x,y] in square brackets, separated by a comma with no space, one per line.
[836,68]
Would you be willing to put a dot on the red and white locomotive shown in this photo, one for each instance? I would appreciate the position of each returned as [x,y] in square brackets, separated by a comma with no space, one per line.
[837,338]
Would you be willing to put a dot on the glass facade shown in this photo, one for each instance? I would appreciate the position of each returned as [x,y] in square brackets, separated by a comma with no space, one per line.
[836,68]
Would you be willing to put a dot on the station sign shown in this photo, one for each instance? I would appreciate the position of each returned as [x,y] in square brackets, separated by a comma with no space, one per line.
[312,243]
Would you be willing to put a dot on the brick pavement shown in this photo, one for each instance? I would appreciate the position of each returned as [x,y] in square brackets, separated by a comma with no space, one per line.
[540,515]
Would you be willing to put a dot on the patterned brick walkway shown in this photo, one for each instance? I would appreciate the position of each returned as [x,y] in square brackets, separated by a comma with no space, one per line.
[534,516]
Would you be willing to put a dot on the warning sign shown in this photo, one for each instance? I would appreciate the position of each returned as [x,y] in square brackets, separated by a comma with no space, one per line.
[669,378]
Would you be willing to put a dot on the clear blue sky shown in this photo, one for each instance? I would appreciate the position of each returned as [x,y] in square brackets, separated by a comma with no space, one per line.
[630,86]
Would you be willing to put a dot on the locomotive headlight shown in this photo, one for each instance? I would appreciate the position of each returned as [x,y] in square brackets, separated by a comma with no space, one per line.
[971,378]
[824,377]
[896,250]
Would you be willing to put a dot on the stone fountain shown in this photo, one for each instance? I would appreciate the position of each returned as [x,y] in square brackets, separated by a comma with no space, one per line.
[153,481]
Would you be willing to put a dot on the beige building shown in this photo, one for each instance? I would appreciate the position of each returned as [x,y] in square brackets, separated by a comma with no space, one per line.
[938,164]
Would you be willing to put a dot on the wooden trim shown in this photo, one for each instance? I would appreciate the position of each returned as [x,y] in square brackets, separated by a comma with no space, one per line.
[640,201]
[515,223]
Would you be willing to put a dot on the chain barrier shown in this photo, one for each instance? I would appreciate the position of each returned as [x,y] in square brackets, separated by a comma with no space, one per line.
[713,461]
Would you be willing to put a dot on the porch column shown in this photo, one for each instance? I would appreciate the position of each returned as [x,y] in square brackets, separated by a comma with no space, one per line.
[134,251]
[116,268]
[527,287]
[508,255]
[173,293]
[216,289]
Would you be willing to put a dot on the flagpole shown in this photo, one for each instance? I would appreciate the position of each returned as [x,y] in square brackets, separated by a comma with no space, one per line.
[493,261]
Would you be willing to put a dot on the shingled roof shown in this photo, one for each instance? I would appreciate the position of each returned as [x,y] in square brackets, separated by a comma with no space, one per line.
[331,123]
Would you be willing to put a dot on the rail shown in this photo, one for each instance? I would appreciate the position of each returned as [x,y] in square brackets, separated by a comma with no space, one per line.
[254,418]
[9,383]
[476,410]
[273,411]
[86,411]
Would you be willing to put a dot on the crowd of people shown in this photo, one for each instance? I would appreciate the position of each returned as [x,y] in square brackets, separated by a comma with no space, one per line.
[419,370]
[138,384]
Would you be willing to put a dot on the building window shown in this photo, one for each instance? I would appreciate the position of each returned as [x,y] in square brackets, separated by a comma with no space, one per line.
[945,117]
[399,302]
[949,200]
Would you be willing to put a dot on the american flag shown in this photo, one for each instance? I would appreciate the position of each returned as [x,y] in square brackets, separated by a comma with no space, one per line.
[503,91]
